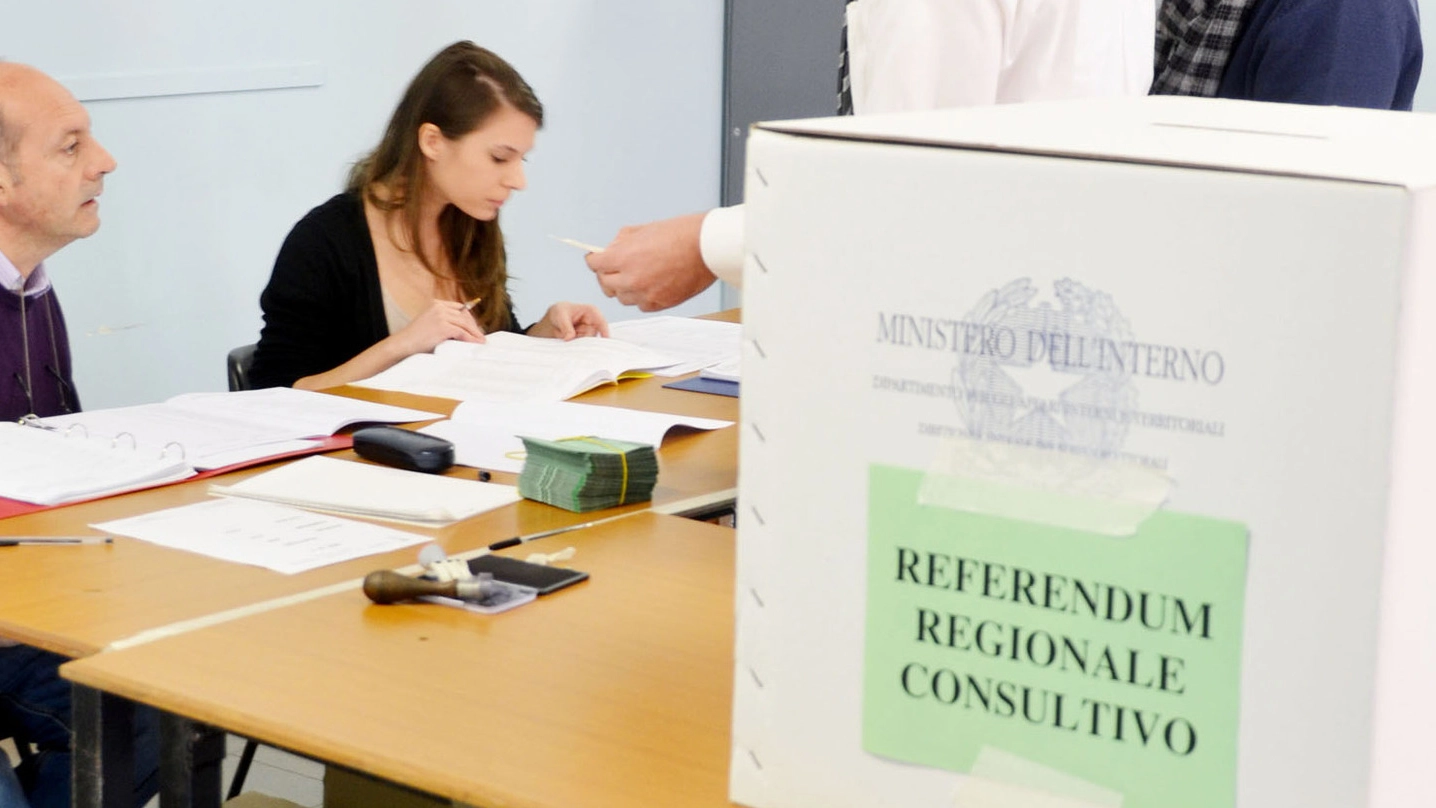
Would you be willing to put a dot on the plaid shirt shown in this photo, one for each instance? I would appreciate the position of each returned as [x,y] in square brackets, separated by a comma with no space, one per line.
[1195,39]
[845,85]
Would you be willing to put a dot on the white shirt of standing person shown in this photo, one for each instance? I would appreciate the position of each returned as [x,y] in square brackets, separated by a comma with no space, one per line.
[906,55]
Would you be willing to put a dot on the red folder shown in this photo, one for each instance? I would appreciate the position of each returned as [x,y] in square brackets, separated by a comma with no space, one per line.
[14,507]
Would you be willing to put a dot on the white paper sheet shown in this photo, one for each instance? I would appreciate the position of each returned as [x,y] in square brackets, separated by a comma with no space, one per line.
[306,413]
[379,492]
[695,343]
[485,434]
[219,460]
[730,370]
[275,537]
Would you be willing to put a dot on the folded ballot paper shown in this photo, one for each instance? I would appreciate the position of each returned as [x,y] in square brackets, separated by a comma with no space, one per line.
[587,473]
[379,492]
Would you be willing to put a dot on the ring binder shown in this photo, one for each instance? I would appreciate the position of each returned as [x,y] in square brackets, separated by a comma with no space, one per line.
[48,466]
[84,432]
[67,458]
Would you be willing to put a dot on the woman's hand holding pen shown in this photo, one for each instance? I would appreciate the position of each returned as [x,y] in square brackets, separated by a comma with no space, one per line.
[443,320]
[568,320]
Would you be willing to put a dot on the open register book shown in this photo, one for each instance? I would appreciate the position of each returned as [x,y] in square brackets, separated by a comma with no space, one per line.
[48,467]
[513,367]
[68,458]
[212,430]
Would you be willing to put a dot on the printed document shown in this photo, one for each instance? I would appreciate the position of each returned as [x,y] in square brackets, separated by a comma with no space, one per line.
[276,537]
[695,344]
[485,433]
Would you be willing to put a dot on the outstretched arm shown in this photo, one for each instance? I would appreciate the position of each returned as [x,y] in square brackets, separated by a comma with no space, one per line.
[656,265]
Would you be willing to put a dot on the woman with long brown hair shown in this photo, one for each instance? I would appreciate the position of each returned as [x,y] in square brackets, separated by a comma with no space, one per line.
[410,254]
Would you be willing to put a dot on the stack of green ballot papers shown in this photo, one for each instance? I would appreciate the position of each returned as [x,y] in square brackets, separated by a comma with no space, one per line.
[586,474]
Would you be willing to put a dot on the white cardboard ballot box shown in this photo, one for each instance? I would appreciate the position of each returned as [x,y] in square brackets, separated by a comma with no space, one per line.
[1089,459]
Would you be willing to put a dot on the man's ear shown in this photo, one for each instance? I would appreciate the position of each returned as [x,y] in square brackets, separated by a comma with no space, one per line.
[7,184]
[431,140]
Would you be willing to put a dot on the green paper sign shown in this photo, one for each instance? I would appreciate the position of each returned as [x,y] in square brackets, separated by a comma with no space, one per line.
[1113,660]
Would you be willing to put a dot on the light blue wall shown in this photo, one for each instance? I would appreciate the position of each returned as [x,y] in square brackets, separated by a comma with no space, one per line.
[208,184]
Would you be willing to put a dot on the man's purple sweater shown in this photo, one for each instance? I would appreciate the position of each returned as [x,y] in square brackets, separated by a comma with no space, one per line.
[51,386]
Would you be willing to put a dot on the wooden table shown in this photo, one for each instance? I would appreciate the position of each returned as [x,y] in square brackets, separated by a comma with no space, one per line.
[77,601]
[614,692]
[697,471]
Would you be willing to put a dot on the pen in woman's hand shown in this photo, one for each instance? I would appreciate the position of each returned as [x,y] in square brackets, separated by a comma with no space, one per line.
[470,304]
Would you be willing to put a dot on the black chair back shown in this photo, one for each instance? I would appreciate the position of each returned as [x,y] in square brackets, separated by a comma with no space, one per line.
[241,359]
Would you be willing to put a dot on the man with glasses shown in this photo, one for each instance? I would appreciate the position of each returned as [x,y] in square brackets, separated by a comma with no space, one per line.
[52,171]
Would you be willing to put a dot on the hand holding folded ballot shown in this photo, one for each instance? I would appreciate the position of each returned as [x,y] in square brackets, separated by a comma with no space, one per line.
[653,266]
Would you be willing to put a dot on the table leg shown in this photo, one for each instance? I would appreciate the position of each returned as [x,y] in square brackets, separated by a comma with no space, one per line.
[191,754]
[103,749]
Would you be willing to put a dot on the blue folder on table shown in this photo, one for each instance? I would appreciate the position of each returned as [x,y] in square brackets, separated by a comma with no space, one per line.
[699,384]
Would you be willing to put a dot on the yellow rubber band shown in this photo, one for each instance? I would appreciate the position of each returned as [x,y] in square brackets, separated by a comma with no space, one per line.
[622,459]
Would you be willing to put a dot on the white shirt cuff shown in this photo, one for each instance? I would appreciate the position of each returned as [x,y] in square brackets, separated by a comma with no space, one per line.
[721,242]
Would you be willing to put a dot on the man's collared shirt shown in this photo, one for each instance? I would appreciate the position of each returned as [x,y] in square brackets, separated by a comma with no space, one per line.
[12,280]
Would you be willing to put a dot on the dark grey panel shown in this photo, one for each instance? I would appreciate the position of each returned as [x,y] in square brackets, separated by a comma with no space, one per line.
[781,61]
